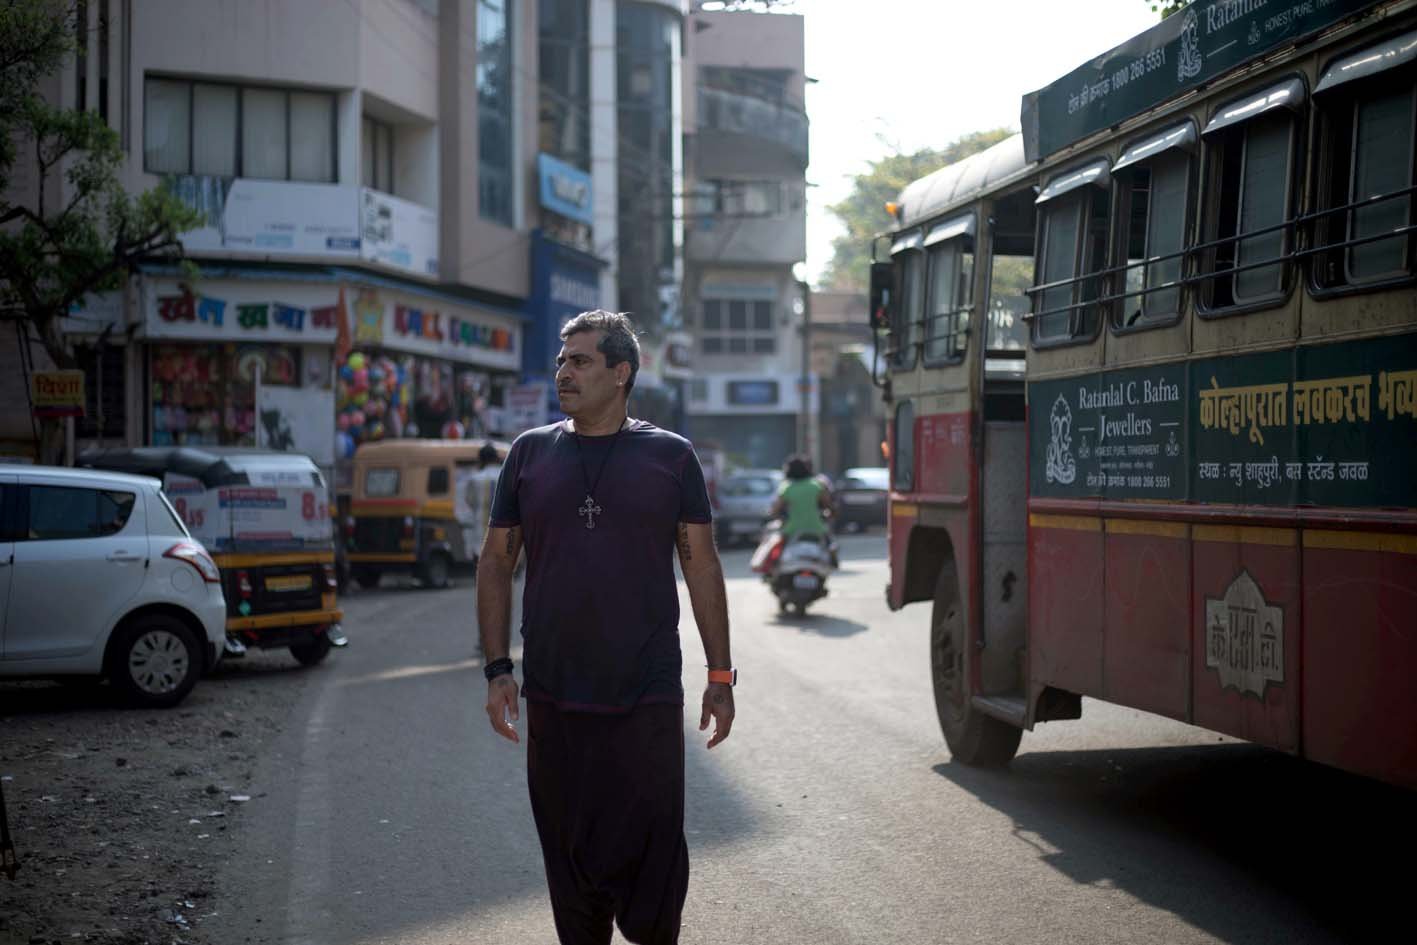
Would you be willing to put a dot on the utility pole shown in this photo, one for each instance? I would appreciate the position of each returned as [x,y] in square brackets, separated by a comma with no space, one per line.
[804,383]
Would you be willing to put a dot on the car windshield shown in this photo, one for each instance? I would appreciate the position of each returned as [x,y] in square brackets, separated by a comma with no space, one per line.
[870,477]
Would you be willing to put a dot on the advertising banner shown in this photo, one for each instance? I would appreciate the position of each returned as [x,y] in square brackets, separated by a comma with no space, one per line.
[1324,425]
[269,514]
[526,407]
[1182,52]
[289,218]
[398,233]
[297,420]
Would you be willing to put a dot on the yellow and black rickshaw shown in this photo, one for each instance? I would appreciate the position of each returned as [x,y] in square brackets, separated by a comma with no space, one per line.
[265,518]
[419,507]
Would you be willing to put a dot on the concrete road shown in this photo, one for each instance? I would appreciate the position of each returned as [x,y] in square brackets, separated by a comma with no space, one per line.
[390,813]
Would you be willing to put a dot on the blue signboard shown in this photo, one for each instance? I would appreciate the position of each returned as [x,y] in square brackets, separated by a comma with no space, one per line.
[564,283]
[565,189]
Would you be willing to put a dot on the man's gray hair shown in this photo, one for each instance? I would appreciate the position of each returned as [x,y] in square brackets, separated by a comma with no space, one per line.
[618,343]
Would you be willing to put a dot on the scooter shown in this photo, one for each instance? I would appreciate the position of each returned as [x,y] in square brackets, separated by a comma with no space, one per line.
[796,571]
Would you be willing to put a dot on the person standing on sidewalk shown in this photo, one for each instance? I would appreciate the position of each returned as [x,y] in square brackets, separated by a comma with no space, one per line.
[602,668]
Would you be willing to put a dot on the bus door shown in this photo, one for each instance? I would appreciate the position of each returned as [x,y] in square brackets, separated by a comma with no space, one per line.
[1006,272]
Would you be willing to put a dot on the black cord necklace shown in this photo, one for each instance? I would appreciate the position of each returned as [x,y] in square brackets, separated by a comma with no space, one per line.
[590,509]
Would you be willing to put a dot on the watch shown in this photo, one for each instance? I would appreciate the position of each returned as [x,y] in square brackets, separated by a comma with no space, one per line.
[729,677]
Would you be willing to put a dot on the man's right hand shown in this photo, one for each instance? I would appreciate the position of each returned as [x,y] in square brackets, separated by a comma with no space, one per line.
[502,707]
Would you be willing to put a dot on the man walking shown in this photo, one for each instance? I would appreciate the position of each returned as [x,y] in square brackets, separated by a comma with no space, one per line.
[601,501]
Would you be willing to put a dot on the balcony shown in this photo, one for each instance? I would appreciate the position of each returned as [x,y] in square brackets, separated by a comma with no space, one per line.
[735,113]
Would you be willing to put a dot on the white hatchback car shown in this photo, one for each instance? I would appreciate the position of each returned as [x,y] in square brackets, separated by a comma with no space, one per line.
[99,577]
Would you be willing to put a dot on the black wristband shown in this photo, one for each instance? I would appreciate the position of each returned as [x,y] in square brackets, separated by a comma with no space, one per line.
[501,667]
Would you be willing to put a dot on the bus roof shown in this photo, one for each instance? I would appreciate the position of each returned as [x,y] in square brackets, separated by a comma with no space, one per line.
[961,182]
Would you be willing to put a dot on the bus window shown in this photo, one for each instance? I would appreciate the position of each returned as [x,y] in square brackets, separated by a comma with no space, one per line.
[1366,122]
[1075,210]
[1152,177]
[951,254]
[1249,150]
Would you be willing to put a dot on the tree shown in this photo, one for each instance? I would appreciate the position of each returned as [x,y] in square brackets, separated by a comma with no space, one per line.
[72,230]
[863,212]
[1167,7]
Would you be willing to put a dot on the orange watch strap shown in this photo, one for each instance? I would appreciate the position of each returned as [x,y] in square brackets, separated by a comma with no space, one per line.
[726,676]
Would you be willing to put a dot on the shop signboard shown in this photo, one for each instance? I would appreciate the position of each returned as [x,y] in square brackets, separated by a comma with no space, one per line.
[222,310]
[564,283]
[57,394]
[271,217]
[398,233]
[566,189]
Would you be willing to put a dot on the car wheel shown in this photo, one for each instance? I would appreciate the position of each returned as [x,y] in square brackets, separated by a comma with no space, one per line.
[156,661]
[312,652]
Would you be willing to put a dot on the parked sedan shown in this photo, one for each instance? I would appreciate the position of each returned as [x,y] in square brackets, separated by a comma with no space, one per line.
[745,499]
[861,497]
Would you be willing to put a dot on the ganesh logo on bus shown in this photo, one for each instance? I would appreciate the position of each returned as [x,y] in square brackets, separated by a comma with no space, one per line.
[1061,467]
[1244,638]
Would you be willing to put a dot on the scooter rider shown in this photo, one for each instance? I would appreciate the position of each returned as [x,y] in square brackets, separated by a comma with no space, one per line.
[803,504]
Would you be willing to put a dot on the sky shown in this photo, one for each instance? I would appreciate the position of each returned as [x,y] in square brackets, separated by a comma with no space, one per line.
[914,73]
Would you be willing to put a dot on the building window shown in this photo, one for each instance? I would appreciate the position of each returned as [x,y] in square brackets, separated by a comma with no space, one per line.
[494,110]
[1366,129]
[104,392]
[951,261]
[377,155]
[1248,147]
[564,106]
[737,326]
[741,198]
[219,130]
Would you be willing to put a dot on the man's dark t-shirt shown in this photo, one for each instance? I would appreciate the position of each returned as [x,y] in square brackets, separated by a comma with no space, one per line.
[600,611]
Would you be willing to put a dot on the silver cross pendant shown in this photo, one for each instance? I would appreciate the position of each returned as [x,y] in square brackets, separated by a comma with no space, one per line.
[589,510]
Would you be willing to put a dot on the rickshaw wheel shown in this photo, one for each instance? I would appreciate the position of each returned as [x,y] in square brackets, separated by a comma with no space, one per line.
[436,571]
[366,577]
[313,652]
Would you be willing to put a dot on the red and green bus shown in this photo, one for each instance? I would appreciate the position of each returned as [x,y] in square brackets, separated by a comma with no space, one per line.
[1151,368]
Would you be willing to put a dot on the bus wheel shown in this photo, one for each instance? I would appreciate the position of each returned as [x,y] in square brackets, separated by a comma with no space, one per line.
[367,577]
[973,738]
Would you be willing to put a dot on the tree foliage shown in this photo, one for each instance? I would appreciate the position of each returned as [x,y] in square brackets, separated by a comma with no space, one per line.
[863,212]
[69,228]
[1165,8]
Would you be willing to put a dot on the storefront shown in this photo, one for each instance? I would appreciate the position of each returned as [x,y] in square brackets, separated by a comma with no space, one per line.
[240,362]
[318,362]
[425,366]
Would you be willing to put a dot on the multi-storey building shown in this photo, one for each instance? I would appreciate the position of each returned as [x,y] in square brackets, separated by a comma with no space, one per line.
[404,199]
[753,392]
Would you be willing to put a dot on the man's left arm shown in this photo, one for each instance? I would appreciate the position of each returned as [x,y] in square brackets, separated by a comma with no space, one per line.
[698,558]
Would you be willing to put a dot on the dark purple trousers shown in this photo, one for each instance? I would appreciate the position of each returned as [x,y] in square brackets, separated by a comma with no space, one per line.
[607,793]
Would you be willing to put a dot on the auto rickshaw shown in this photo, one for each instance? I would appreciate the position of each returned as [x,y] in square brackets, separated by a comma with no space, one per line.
[419,507]
[264,516]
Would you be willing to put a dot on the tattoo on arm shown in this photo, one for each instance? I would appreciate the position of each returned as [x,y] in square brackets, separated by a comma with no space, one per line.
[513,534]
[684,550]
